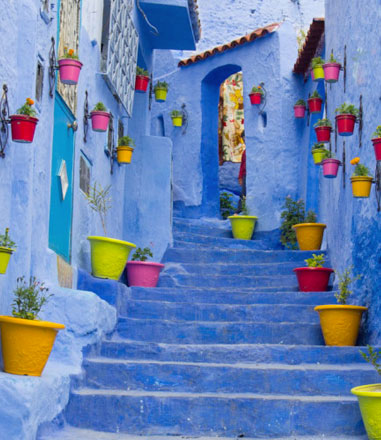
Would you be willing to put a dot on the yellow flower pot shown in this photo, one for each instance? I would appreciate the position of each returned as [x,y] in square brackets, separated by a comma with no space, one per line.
[26,344]
[318,155]
[177,121]
[5,255]
[318,73]
[369,397]
[340,323]
[160,95]
[243,226]
[109,256]
[361,186]
[124,154]
[309,235]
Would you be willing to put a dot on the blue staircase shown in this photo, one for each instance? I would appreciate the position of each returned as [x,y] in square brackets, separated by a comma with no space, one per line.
[225,346]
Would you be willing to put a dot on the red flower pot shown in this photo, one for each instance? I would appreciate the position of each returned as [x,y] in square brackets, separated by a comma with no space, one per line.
[314,104]
[330,168]
[99,120]
[377,147]
[313,279]
[69,70]
[323,134]
[143,273]
[331,72]
[299,111]
[141,83]
[345,124]
[23,128]
[255,98]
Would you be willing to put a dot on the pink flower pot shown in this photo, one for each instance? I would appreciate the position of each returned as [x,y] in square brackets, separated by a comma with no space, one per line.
[23,128]
[143,273]
[313,279]
[141,83]
[323,134]
[99,120]
[330,168]
[314,104]
[345,124]
[377,147]
[299,111]
[69,70]
[255,98]
[331,72]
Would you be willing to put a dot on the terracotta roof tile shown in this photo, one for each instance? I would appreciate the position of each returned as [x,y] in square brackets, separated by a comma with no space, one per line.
[311,43]
[258,33]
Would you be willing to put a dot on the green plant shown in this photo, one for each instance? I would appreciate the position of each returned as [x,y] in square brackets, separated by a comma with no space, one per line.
[315,94]
[360,169]
[142,254]
[347,109]
[318,146]
[141,72]
[373,357]
[300,102]
[329,155]
[99,201]
[226,206]
[257,89]
[332,59]
[377,133]
[99,107]
[301,38]
[244,208]
[310,217]
[345,280]
[126,140]
[316,261]
[6,241]
[176,114]
[317,62]
[27,109]
[29,298]
[161,85]
[69,53]
[323,123]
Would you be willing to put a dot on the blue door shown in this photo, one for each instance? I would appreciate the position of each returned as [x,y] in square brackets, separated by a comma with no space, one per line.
[61,193]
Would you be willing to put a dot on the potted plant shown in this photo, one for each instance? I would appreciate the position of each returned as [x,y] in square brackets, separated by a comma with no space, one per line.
[369,397]
[23,123]
[7,247]
[331,70]
[161,90]
[346,118]
[243,224]
[317,69]
[108,255]
[99,117]
[315,102]
[340,323]
[361,179]
[177,118]
[330,165]
[26,342]
[300,108]
[377,142]
[69,67]
[125,149]
[256,95]
[318,153]
[141,272]
[314,277]
[226,205]
[142,80]
[323,128]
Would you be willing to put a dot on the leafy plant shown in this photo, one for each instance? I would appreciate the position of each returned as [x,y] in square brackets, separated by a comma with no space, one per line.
[27,109]
[257,89]
[373,357]
[329,155]
[300,102]
[29,298]
[244,208]
[316,261]
[310,217]
[69,53]
[161,85]
[345,280]
[360,169]
[377,133]
[315,94]
[142,254]
[226,206]
[141,72]
[301,38]
[317,62]
[323,123]
[347,109]
[176,114]
[99,201]
[318,146]
[126,140]
[6,241]
[332,59]
[99,107]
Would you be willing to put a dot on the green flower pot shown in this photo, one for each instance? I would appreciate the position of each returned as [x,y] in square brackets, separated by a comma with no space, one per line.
[318,155]
[243,226]
[109,256]
[369,397]
[5,255]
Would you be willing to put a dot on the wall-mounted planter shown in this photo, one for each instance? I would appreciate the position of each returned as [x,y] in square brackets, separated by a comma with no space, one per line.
[330,168]
[313,279]
[331,72]
[160,95]
[23,128]
[143,273]
[69,70]
[141,83]
[345,124]
[124,154]
[377,147]
[361,186]
[242,226]
[369,397]
[299,111]
[5,255]
[99,120]
[323,134]
[318,155]
[177,121]
[255,98]
[314,104]
[318,73]
[309,235]
[340,323]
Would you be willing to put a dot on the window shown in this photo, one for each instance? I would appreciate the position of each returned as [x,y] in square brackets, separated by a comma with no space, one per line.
[39,81]
[46,10]
[84,173]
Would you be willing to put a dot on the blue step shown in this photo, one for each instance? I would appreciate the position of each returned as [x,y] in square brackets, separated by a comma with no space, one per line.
[217,228]
[195,240]
[189,332]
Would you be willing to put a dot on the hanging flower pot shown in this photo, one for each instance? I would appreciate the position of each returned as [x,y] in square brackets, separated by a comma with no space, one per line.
[330,167]
[318,153]
[23,124]
[361,179]
[177,118]
[323,128]
[346,118]
[377,142]
[314,103]
[142,80]
[7,247]
[161,90]
[99,117]
[69,67]
[369,398]
[317,68]
[300,108]
[309,235]
[125,149]
[331,72]
[256,95]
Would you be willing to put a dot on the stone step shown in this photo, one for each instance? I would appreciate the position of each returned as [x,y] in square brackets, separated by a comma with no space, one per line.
[250,244]
[215,414]
[240,377]
[191,332]
[214,228]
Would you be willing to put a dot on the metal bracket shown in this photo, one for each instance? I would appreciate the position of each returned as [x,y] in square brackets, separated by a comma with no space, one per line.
[264,96]
[345,68]
[4,120]
[52,67]
[185,118]
[111,153]
[377,179]
[150,92]
[325,100]
[86,116]
[308,111]
[343,164]
[360,121]
[336,136]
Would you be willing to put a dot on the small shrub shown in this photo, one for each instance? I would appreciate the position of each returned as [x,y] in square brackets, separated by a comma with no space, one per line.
[141,72]
[310,217]
[315,261]
[318,146]
[331,59]
[323,123]
[300,102]
[373,357]
[244,208]
[315,94]
[126,140]
[99,107]
[317,62]
[347,109]
[257,89]
[99,201]
[161,85]
[29,298]
[6,241]
[377,133]
[345,280]
[27,109]
[226,206]
[176,114]
[69,53]
[142,254]
[360,169]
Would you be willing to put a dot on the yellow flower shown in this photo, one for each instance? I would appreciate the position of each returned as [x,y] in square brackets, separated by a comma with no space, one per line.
[259,87]
[29,101]
[355,161]
[71,52]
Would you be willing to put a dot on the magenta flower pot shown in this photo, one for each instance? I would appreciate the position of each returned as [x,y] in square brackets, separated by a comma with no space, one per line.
[313,279]
[345,124]
[377,147]
[323,134]
[69,70]
[299,111]
[255,98]
[99,120]
[23,128]
[330,168]
[331,72]
[143,273]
